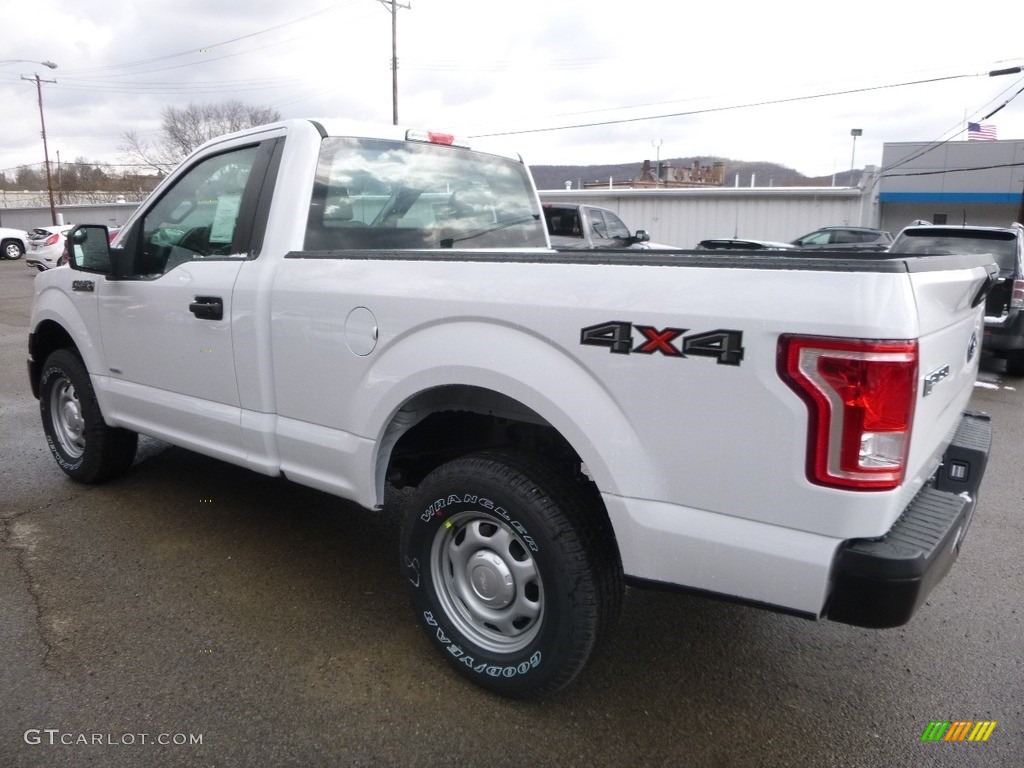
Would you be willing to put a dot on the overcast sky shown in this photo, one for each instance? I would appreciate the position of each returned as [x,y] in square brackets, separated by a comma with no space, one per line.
[783,82]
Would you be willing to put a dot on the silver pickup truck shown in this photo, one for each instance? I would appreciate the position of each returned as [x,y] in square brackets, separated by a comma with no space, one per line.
[352,306]
[573,227]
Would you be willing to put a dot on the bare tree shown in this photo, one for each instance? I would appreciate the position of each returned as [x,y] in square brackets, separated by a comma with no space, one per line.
[185,129]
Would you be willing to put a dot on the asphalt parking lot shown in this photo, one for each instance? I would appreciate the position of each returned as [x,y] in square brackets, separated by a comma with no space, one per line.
[193,613]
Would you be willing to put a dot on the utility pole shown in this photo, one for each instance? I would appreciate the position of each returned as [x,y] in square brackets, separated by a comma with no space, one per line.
[999,73]
[392,7]
[46,152]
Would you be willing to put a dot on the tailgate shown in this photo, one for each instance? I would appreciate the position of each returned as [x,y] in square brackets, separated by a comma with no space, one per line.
[950,302]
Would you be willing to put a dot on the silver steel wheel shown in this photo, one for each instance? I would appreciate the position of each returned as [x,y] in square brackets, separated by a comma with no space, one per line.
[487,582]
[68,422]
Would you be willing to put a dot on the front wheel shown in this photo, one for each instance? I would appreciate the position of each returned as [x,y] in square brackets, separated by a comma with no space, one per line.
[84,446]
[510,573]
[11,249]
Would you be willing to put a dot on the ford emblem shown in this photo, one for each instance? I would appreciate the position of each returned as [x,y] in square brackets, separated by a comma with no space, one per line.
[972,346]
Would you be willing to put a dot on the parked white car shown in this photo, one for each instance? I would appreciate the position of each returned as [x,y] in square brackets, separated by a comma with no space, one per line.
[45,246]
[12,243]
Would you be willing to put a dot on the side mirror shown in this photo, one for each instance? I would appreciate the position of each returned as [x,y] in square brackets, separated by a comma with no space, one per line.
[641,236]
[88,249]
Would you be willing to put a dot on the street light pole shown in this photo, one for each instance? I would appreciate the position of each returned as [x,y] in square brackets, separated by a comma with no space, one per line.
[657,162]
[855,132]
[42,122]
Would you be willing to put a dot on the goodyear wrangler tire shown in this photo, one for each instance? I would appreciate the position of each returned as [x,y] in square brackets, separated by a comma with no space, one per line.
[510,574]
[84,446]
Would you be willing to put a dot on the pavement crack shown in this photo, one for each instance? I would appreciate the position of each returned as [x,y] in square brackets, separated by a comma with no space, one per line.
[14,536]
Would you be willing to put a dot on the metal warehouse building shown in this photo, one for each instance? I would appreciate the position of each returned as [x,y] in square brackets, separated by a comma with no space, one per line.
[977,182]
[980,182]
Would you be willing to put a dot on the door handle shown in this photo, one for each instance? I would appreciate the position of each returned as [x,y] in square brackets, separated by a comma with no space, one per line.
[207,308]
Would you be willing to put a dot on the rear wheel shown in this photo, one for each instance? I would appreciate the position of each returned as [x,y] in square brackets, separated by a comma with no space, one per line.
[510,573]
[84,446]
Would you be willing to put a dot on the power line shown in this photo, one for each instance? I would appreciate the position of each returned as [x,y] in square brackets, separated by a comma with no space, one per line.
[772,102]
[956,170]
[931,147]
[167,57]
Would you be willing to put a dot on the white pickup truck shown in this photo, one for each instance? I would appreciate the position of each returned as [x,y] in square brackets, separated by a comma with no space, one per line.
[350,307]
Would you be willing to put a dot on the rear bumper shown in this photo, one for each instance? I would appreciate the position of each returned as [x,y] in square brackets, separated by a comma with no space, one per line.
[881,582]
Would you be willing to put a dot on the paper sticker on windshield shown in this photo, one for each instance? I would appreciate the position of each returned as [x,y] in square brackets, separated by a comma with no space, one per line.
[222,230]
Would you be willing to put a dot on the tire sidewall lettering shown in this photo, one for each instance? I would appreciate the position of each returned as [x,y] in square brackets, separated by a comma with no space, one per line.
[486,668]
[58,454]
[437,510]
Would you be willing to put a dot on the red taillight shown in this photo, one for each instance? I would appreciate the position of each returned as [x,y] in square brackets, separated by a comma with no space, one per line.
[860,396]
[51,240]
[1017,296]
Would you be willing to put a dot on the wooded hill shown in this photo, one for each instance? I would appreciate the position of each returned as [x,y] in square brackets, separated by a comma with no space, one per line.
[764,174]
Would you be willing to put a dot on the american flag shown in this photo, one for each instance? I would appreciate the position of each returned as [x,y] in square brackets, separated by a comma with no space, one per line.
[981,132]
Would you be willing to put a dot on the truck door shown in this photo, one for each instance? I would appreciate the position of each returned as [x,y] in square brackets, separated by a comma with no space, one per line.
[166,330]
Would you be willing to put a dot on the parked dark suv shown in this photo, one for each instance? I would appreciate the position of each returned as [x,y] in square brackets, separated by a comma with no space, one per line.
[843,238]
[1004,307]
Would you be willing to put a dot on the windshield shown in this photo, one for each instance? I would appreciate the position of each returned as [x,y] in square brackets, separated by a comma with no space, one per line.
[375,194]
[1002,245]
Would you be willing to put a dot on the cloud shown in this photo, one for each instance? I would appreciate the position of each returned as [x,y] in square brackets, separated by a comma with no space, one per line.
[686,75]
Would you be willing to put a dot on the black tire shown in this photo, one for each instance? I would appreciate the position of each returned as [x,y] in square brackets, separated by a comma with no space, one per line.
[84,446]
[11,249]
[510,573]
[1015,363]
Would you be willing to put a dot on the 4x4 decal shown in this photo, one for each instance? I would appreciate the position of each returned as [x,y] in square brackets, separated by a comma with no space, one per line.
[726,346]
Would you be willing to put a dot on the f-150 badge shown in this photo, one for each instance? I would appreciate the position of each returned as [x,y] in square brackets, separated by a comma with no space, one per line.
[726,346]
[934,378]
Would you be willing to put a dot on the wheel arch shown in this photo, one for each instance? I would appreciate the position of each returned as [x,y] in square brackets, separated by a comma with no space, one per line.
[58,323]
[454,419]
[47,337]
[501,371]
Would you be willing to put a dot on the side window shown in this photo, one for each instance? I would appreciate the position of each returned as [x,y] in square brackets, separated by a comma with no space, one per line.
[597,225]
[846,236]
[196,218]
[816,238]
[563,222]
[615,226]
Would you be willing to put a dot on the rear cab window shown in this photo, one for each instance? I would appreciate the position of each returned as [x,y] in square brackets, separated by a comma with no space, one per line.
[388,195]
